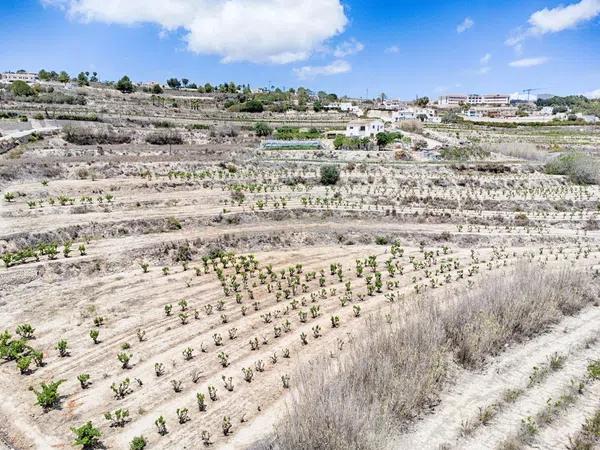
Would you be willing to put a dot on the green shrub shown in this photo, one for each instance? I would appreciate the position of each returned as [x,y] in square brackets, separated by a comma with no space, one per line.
[252,106]
[87,436]
[125,85]
[48,396]
[173,223]
[138,443]
[262,129]
[350,143]
[330,175]
[384,138]
[294,133]
[21,89]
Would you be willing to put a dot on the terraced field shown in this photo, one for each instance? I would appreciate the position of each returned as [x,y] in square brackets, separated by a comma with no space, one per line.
[196,284]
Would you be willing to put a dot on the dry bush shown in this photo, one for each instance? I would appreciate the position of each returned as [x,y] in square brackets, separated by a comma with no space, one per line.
[225,131]
[391,373]
[164,138]
[588,437]
[414,126]
[580,168]
[521,150]
[509,308]
[350,402]
[92,136]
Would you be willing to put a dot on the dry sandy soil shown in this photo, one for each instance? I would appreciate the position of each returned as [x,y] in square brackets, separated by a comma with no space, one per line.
[170,207]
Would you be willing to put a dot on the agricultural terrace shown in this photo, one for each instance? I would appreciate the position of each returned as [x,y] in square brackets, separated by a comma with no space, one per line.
[186,289]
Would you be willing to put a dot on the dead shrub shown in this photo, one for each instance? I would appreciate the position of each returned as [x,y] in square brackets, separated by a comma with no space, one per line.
[164,138]
[521,150]
[509,308]
[392,372]
[91,136]
[412,126]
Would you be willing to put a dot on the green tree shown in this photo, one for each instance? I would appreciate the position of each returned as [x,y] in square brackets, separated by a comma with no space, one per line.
[44,75]
[330,174]
[252,106]
[125,85]
[385,138]
[63,77]
[82,79]
[156,89]
[173,83]
[208,88]
[21,89]
[422,101]
[318,106]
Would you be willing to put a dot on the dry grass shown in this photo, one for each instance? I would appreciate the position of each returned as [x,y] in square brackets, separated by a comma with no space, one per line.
[414,126]
[509,308]
[394,372]
[521,150]
[588,437]
[580,168]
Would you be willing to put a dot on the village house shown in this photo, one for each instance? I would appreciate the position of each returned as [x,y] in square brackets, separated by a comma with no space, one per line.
[364,128]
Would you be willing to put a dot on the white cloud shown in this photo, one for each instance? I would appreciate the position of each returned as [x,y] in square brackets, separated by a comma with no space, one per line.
[518,48]
[485,59]
[529,62]
[348,48]
[515,40]
[465,25]
[554,20]
[593,94]
[563,17]
[483,70]
[336,67]
[261,31]
[392,49]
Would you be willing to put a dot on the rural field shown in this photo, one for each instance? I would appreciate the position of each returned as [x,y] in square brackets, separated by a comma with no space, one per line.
[166,276]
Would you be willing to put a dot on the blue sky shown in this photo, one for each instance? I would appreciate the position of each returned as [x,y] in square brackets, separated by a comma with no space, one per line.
[403,47]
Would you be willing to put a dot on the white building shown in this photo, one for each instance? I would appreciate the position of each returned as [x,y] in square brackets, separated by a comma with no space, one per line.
[393,105]
[344,107]
[474,99]
[413,113]
[546,111]
[473,114]
[404,114]
[27,77]
[364,128]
